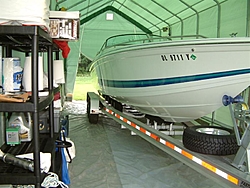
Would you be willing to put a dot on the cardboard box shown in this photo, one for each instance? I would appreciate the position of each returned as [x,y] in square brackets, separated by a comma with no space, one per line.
[64,25]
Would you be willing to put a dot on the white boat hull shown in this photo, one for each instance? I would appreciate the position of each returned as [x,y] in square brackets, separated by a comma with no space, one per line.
[177,81]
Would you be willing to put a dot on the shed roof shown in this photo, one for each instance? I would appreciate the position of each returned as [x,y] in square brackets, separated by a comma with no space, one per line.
[151,14]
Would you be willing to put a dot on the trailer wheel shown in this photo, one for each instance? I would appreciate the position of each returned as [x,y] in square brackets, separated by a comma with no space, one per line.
[88,104]
[93,118]
[118,106]
[211,140]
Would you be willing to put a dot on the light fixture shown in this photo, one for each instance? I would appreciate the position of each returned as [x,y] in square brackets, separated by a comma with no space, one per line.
[109,16]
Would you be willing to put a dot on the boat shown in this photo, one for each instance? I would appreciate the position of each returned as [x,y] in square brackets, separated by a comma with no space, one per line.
[176,80]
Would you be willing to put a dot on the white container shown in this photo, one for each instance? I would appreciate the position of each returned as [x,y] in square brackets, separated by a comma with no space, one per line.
[25,12]
[18,119]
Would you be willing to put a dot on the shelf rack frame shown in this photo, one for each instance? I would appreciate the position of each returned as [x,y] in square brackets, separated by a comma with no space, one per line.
[31,39]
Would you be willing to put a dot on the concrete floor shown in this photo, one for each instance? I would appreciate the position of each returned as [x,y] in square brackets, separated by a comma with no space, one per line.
[109,157]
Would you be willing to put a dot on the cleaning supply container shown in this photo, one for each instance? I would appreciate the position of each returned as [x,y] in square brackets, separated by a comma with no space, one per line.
[18,119]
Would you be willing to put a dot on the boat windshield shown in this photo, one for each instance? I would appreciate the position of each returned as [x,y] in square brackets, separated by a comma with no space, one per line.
[132,39]
[128,39]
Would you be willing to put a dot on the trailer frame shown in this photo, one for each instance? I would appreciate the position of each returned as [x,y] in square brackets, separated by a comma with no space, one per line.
[217,168]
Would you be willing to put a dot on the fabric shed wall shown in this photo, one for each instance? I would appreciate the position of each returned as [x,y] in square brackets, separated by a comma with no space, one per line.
[210,18]
[71,66]
[232,20]
[96,31]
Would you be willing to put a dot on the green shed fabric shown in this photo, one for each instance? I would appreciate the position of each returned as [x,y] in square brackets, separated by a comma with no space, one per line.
[207,18]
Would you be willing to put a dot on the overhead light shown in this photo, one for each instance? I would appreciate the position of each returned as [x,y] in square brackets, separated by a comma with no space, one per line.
[109,16]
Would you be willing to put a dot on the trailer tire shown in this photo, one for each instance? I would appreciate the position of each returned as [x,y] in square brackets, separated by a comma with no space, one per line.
[201,139]
[118,106]
[88,105]
[93,118]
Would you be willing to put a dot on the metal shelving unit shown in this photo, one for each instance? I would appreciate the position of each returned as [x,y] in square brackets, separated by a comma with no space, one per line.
[29,39]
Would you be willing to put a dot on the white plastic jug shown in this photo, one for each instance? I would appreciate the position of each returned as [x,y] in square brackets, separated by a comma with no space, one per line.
[19,119]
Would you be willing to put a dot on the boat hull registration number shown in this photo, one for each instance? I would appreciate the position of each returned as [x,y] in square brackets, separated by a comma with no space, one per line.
[178,57]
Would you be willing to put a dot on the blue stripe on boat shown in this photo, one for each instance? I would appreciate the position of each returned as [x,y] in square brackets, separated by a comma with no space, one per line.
[168,81]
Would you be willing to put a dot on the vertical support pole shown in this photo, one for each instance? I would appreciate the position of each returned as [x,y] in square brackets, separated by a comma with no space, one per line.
[213,118]
[8,52]
[248,98]
[36,136]
[57,55]
[236,130]
[197,15]
[248,19]
[2,128]
[2,114]
[175,15]
[65,90]
[218,18]
[51,92]
[248,35]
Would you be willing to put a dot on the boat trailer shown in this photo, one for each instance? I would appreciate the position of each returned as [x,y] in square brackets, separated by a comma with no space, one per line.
[232,170]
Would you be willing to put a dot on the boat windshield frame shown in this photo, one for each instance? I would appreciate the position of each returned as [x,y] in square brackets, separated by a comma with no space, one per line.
[133,39]
[130,39]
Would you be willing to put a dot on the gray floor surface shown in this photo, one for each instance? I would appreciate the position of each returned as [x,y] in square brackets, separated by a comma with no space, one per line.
[109,157]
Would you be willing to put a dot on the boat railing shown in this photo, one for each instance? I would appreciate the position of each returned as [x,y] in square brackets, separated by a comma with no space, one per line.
[182,37]
[132,39]
[128,39]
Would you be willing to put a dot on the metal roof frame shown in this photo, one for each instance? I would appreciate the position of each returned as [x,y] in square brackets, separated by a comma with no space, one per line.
[218,4]
[107,8]
[173,14]
[111,4]
[151,13]
[90,5]
[104,4]
[122,14]
[135,13]
[197,14]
